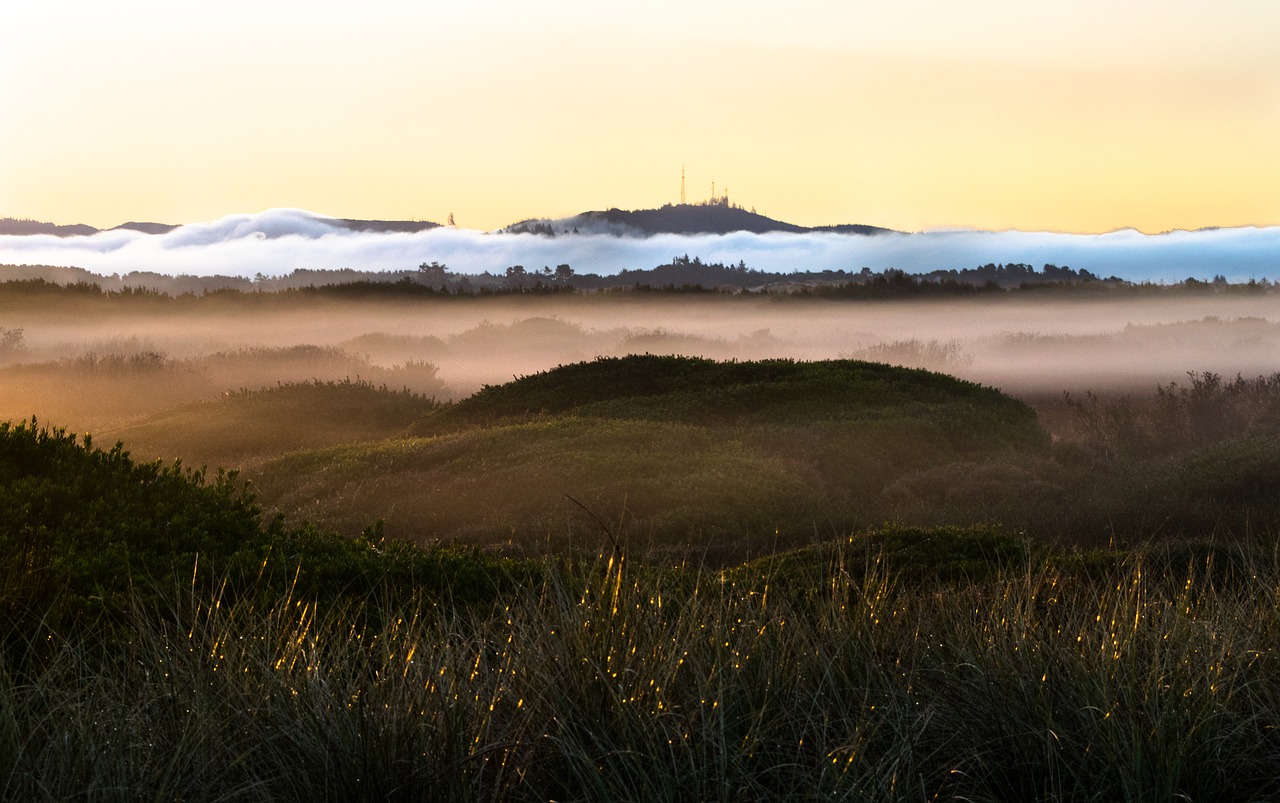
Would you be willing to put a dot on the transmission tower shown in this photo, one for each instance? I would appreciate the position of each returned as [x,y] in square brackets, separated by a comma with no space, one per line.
[682,185]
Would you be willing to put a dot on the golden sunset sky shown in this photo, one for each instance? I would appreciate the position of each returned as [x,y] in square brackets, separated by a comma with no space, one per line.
[1084,116]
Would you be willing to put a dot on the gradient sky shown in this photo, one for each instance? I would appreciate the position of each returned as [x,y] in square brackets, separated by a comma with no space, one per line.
[1085,116]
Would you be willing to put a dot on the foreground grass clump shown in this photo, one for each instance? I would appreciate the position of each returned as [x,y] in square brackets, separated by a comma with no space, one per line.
[610,682]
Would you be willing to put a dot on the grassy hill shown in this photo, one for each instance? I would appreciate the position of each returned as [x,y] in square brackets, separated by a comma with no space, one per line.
[661,453]
[702,391]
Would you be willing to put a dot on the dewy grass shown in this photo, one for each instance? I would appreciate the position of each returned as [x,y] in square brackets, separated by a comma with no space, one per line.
[616,682]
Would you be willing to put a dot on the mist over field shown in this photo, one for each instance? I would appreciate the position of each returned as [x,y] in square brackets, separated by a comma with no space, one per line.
[450,347]
[278,241]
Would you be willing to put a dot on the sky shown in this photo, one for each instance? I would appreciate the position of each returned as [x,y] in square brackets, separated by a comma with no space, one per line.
[1081,117]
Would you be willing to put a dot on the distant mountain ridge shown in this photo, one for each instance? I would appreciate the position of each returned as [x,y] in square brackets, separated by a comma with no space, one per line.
[22,227]
[713,217]
[147,228]
[385,226]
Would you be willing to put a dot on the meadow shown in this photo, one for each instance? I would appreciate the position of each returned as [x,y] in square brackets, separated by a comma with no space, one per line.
[616,547]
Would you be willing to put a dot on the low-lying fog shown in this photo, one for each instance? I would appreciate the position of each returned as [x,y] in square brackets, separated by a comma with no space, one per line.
[278,241]
[147,357]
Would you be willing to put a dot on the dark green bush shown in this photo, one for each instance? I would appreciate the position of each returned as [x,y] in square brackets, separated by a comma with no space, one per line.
[78,524]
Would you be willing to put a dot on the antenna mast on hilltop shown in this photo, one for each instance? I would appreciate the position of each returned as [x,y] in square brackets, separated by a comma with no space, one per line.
[682,185]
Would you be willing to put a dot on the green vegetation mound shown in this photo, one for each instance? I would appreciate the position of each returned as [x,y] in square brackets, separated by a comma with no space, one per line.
[704,392]
[79,523]
[730,458]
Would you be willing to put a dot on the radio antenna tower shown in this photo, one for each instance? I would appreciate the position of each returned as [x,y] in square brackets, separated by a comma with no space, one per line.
[682,185]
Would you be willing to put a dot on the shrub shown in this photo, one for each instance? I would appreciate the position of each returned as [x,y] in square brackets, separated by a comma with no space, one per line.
[78,524]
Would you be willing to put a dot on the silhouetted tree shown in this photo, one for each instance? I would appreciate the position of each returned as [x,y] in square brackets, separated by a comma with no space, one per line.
[516,276]
[434,274]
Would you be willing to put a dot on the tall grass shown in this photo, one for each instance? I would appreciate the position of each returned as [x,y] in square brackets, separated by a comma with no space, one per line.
[617,682]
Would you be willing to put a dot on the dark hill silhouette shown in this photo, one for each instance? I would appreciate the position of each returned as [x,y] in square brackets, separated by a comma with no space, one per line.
[853,228]
[384,226]
[711,217]
[147,228]
[18,226]
[23,227]
[693,219]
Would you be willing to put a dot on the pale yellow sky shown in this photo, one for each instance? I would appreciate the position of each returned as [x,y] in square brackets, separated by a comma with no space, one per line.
[1084,116]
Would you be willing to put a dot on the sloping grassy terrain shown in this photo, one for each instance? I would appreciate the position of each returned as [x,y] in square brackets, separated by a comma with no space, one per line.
[247,426]
[659,453]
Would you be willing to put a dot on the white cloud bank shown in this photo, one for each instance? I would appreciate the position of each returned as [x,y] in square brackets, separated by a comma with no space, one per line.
[278,241]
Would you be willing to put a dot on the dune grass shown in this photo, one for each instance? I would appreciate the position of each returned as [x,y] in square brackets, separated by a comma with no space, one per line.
[618,682]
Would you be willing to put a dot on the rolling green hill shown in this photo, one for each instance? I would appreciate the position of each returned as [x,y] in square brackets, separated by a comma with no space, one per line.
[663,453]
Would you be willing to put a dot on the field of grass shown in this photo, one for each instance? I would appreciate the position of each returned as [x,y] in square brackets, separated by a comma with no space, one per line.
[908,665]
[647,578]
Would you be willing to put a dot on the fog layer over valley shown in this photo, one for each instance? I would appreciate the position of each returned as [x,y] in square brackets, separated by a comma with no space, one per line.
[333,407]
[1020,342]
[281,240]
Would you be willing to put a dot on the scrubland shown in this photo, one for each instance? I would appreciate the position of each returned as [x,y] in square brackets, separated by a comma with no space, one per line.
[782,566]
